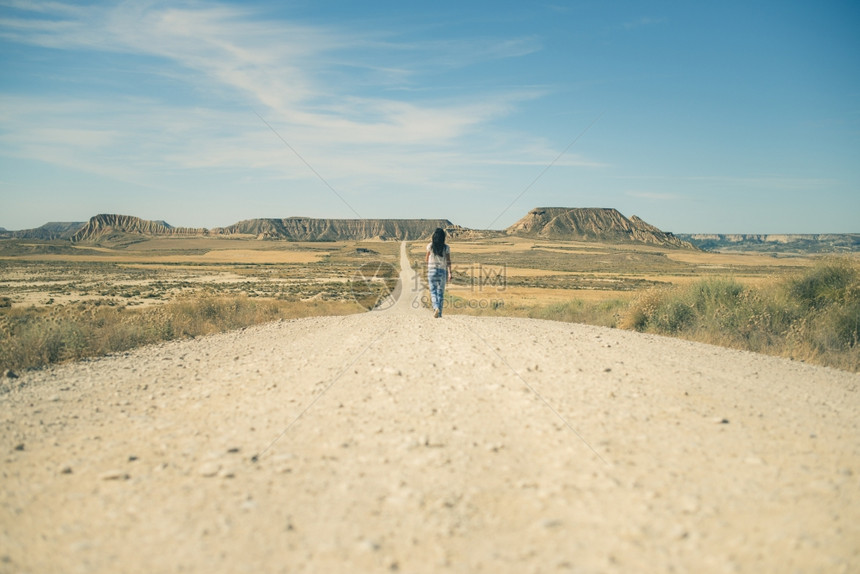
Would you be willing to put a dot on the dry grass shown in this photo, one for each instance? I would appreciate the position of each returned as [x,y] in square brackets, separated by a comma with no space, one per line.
[813,316]
[604,312]
[33,337]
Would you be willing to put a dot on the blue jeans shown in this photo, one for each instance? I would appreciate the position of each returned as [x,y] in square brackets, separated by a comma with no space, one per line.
[436,279]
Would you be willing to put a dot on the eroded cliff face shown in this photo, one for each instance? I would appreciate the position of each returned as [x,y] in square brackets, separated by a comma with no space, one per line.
[311,229]
[591,224]
[777,242]
[105,225]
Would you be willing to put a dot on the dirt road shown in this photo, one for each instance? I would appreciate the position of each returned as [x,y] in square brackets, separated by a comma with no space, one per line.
[392,441]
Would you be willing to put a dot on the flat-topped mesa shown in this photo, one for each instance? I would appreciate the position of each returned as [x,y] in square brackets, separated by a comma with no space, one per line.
[105,225]
[591,224]
[312,229]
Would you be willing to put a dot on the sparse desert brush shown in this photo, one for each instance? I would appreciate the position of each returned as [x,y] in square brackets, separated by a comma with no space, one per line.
[196,316]
[714,310]
[828,299]
[642,308]
[33,337]
[813,316]
[834,281]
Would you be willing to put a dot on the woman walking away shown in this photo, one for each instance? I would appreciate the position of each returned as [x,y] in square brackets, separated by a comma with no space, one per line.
[438,269]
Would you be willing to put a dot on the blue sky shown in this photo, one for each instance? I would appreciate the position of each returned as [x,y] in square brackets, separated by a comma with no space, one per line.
[732,117]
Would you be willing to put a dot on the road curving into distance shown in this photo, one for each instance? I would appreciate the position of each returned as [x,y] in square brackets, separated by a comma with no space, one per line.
[392,441]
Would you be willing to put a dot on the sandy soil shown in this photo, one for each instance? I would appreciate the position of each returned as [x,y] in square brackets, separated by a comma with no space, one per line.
[391,441]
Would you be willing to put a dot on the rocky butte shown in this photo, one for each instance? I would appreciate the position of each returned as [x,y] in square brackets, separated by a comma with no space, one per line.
[106,226]
[591,224]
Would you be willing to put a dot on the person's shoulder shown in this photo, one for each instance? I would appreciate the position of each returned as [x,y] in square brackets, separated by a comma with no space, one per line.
[447,248]
[429,246]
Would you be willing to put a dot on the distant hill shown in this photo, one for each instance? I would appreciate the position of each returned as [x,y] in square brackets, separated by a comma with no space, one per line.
[591,224]
[560,223]
[111,226]
[776,243]
[47,232]
[311,229]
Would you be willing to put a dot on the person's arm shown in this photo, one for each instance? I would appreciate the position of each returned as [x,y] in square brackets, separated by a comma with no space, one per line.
[448,264]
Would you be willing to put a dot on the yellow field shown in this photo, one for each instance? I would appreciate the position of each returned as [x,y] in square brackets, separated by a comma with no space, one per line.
[155,271]
[735,259]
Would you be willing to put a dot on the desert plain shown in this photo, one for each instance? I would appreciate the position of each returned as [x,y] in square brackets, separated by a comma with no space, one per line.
[514,270]
[390,441]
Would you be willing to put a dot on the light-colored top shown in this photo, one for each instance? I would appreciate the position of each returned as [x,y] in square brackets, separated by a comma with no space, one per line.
[434,261]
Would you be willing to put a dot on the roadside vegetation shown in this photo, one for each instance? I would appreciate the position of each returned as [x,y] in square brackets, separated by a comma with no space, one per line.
[812,315]
[37,336]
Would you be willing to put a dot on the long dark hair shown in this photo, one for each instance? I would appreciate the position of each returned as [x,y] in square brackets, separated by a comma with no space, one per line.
[438,245]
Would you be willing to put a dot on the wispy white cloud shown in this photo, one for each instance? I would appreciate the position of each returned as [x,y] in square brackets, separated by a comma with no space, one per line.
[275,64]
[310,83]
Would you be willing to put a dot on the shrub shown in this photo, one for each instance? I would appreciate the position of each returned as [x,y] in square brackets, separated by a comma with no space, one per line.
[813,316]
[832,282]
[828,330]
